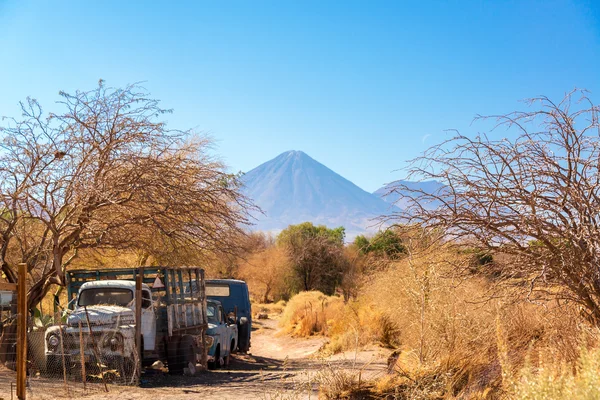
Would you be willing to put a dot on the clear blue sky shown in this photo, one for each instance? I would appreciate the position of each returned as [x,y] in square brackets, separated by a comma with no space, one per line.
[361,86]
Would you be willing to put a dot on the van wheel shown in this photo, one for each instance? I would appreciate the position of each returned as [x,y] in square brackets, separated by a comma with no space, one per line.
[233,348]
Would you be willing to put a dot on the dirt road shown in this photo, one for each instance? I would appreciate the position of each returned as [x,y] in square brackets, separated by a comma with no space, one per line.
[278,368]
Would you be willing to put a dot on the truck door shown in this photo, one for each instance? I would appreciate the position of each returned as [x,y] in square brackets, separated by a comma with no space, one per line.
[223,333]
[148,321]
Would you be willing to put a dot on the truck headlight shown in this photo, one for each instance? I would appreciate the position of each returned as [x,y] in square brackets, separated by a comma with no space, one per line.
[53,342]
[114,342]
[209,341]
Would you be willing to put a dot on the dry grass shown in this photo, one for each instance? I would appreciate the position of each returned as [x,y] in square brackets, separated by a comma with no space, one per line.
[270,309]
[552,380]
[310,313]
[448,342]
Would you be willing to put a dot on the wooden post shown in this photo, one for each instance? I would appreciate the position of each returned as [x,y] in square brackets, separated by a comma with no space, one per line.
[22,332]
[138,319]
[64,360]
[82,356]
[202,298]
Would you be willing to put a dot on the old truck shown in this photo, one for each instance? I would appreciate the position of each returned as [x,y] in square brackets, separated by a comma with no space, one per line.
[234,296]
[103,327]
[222,335]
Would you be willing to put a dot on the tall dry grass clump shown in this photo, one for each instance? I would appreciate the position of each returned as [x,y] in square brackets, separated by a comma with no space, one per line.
[310,313]
[552,380]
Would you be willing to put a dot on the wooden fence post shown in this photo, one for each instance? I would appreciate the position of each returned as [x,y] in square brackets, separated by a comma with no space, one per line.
[138,319]
[22,332]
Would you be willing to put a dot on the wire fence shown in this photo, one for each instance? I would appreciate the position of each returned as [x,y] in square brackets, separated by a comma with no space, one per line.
[8,345]
[70,355]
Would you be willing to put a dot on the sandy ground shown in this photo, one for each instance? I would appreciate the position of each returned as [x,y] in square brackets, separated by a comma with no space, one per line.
[278,368]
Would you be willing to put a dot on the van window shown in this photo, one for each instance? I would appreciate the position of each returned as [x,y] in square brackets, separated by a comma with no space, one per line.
[217,290]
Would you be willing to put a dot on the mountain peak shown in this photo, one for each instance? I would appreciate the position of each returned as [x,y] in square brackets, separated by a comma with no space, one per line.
[294,154]
[294,188]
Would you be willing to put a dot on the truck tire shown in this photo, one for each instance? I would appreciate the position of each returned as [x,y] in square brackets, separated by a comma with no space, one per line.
[127,369]
[187,352]
[243,338]
[54,366]
[217,363]
[173,359]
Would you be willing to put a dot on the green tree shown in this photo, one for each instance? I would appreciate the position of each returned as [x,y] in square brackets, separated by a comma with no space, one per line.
[385,243]
[316,255]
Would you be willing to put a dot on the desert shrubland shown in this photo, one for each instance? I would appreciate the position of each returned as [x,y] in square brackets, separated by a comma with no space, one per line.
[450,335]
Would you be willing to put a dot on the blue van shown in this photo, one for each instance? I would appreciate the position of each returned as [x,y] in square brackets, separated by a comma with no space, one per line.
[235,298]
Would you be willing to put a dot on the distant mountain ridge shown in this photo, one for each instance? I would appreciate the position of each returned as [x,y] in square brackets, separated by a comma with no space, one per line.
[401,198]
[293,188]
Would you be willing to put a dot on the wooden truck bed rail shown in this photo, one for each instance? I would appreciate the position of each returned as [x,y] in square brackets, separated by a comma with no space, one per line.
[181,290]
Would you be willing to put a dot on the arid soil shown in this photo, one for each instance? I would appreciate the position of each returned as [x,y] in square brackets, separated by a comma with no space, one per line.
[278,367]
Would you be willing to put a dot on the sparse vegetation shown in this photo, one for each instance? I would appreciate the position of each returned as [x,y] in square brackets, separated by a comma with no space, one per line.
[449,338]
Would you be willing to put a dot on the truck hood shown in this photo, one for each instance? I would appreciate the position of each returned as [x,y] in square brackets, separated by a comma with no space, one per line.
[102,315]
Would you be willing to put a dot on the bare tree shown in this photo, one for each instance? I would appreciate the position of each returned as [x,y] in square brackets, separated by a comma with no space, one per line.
[106,172]
[534,196]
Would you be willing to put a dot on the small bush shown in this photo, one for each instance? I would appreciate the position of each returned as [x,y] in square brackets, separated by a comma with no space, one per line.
[310,313]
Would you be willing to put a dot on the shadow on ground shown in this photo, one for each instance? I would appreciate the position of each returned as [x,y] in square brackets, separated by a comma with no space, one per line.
[244,368]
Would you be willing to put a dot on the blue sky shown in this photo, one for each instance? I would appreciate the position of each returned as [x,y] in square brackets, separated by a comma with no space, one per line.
[360,86]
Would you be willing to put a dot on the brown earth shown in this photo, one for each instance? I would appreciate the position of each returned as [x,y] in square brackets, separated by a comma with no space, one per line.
[278,367]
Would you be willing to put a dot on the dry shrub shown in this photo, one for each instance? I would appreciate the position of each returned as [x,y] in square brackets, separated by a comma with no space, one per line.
[338,383]
[450,342]
[267,272]
[559,380]
[310,313]
[358,324]
[271,309]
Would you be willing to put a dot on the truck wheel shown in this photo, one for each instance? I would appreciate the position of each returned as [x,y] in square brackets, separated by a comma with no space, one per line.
[54,366]
[215,364]
[187,352]
[243,338]
[127,369]
[173,358]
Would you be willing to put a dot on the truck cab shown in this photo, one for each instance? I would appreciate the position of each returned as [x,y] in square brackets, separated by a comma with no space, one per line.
[222,334]
[107,310]
[234,297]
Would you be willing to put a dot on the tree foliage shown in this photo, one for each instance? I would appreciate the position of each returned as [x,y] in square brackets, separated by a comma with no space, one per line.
[387,243]
[316,255]
[105,171]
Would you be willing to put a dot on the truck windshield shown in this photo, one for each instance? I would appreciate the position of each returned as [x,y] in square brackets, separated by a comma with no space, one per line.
[112,296]
[211,313]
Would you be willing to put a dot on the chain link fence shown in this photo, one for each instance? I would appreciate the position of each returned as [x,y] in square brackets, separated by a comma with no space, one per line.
[86,350]
[71,354]
[8,344]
